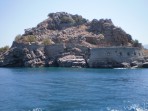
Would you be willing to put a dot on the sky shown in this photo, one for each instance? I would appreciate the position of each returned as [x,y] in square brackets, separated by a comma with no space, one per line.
[17,15]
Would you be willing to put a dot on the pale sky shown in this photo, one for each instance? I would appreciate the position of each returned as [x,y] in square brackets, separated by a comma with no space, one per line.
[17,15]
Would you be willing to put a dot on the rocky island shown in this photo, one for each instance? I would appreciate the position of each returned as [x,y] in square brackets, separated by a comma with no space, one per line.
[66,40]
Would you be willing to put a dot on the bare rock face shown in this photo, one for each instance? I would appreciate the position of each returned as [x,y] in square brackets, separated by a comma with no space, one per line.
[145,65]
[13,58]
[114,36]
[24,55]
[34,58]
[71,61]
[98,26]
[62,20]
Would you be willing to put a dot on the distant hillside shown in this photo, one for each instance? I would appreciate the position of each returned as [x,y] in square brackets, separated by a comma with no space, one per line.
[146,46]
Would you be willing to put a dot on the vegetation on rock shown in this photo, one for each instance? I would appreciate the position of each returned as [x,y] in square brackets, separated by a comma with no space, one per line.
[136,43]
[47,41]
[29,38]
[25,39]
[4,49]
[18,38]
[66,19]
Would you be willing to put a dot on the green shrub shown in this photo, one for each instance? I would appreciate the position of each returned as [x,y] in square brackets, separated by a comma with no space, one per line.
[101,36]
[18,38]
[4,49]
[78,19]
[29,38]
[26,39]
[66,19]
[136,43]
[47,41]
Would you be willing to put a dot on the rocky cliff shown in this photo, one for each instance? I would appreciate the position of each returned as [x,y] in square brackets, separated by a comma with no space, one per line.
[64,40]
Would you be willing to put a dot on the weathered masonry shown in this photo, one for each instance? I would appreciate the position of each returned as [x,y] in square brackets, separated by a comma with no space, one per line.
[114,55]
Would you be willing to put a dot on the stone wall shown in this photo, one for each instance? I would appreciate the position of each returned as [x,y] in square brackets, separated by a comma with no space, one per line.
[52,51]
[114,55]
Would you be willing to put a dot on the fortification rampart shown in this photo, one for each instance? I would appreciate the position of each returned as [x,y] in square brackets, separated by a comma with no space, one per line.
[114,55]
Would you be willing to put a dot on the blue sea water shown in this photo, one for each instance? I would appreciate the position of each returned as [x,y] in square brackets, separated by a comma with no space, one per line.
[70,89]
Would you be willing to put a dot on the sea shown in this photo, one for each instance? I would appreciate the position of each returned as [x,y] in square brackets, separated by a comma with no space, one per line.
[73,89]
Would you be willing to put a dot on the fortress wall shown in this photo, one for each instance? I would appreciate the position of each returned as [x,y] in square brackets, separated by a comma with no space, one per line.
[118,54]
[51,51]
[54,50]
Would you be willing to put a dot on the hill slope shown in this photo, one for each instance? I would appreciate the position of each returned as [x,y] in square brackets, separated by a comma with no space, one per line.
[62,27]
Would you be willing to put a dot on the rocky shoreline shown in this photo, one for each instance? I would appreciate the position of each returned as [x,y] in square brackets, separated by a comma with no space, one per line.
[66,40]
[24,55]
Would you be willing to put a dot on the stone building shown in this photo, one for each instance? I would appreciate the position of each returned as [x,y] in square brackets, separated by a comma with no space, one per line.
[114,55]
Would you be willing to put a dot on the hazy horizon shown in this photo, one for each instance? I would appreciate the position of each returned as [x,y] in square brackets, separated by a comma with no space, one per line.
[17,15]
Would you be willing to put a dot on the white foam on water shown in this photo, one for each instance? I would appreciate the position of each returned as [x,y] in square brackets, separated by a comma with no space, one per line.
[133,107]
[36,109]
[110,109]
[120,68]
[113,110]
[136,107]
